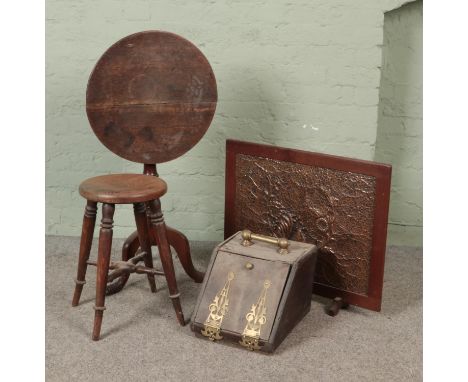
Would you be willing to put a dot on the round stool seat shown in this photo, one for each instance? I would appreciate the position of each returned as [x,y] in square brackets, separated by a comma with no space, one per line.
[123,188]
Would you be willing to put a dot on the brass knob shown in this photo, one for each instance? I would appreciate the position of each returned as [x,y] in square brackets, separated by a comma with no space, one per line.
[246,238]
[283,244]
[249,265]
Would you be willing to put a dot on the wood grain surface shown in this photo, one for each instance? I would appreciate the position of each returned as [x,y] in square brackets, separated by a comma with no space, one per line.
[123,188]
[151,97]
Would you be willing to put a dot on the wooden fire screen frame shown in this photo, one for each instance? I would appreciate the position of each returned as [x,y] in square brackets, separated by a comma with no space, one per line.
[337,203]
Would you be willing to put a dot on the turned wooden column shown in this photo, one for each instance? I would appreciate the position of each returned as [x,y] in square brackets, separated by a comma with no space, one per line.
[175,238]
[141,221]
[89,220]
[158,226]
[104,252]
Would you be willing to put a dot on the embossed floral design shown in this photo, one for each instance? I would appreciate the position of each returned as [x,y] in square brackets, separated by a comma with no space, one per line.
[326,207]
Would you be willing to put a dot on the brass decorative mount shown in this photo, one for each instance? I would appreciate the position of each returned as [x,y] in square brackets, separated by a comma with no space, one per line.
[256,318]
[218,309]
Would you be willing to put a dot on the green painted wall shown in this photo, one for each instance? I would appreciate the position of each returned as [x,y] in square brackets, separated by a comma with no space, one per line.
[400,127]
[302,74]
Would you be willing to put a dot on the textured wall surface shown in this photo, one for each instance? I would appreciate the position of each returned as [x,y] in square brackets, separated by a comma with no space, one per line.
[400,127]
[300,74]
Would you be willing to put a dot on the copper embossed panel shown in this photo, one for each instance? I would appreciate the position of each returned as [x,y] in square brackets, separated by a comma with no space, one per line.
[330,208]
[340,204]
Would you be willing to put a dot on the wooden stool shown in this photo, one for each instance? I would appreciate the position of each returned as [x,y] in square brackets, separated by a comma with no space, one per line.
[144,192]
[150,98]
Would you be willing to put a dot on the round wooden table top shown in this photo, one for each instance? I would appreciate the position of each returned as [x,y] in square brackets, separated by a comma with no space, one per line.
[151,97]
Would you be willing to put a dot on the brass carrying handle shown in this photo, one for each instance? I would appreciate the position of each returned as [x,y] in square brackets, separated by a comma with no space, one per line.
[248,236]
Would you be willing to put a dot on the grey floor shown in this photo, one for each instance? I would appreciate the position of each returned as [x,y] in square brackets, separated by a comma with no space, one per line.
[141,340]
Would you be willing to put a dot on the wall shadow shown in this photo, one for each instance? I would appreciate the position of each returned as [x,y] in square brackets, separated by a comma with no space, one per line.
[399,129]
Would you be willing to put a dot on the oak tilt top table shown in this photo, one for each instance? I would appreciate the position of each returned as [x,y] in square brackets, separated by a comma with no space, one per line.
[150,98]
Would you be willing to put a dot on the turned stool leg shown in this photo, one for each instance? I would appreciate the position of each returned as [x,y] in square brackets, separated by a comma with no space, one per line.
[141,221]
[104,252]
[159,228]
[87,231]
